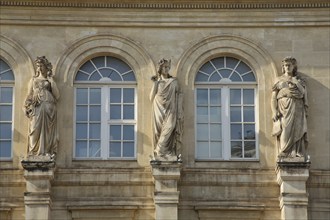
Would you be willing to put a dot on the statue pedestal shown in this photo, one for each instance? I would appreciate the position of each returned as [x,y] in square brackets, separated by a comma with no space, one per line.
[39,171]
[292,175]
[166,196]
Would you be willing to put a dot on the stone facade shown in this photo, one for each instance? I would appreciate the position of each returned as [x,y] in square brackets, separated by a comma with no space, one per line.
[189,33]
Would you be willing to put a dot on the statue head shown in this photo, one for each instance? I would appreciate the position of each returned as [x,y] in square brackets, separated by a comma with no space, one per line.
[291,60]
[163,63]
[43,61]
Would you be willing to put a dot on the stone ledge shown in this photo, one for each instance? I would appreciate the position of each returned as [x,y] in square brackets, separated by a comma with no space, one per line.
[38,163]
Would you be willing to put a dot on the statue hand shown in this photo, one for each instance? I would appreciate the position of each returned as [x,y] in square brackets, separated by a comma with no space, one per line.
[154,78]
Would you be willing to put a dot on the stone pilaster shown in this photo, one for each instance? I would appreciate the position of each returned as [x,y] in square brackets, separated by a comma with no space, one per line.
[292,175]
[166,196]
[39,172]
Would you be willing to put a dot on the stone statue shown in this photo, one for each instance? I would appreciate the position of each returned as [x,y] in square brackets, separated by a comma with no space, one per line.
[289,107]
[167,114]
[40,108]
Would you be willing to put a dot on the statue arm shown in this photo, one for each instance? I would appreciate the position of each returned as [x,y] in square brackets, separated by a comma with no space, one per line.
[274,105]
[55,91]
[153,90]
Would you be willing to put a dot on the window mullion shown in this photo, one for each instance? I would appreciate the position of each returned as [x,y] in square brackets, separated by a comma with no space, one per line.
[225,115]
[104,122]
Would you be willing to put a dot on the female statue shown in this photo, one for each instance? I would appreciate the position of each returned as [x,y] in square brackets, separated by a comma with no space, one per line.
[40,108]
[167,113]
[289,107]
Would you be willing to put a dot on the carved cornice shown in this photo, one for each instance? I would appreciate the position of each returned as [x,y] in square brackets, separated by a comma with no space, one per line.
[171,4]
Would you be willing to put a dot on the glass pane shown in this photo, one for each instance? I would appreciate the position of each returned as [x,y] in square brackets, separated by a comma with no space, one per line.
[115,112]
[242,68]
[225,73]
[202,97]
[114,76]
[5,131]
[216,149]
[105,72]
[231,62]
[236,149]
[249,132]
[115,149]
[248,114]
[6,94]
[248,96]
[235,96]
[215,77]
[128,112]
[200,77]
[87,67]
[202,115]
[82,113]
[5,148]
[218,62]
[235,114]
[81,148]
[202,150]
[128,132]
[249,77]
[81,131]
[202,132]
[95,113]
[7,75]
[95,96]
[95,131]
[82,96]
[115,95]
[236,131]
[215,114]
[128,149]
[94,149]
[5,113]
[128,95]
[115,132]
[235,77]
[215,132]
[81,76]
[129,76]
[207,68]
[99,61]
[95,76]
[117,64]
[215,96]
[250,149]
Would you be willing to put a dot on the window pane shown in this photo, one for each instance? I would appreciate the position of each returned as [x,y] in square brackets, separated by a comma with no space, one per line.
[5,148]
[225,73]
[235,96]
[81,148]
[202,115]
[88,67]
[115,95]
[231,62]
[200,77]
[94,149]
[202,96]
[202,149]
[95,113]
[248,96]
[243,68]
[115,132]
[115,112]
[249,77]
[250,149]
[128,132]
[216,149]
[248,114]
[202,132]
[215,77]
[81,76]
[81,131]
[215,96]
[249,132]
[99,61]
[128,112]
[128,95]
[95,96]
[215,132]
[114,76]
[207,68]
[82,113]
[5,113]
[235,114]
[128,149]
[235,77]
[95,76]
[218,62]
[117,64]
[236,149]
[6,94]
[5,131]
[129,76]
[82,96]
[236,131]
[115,149]
[215,114]
[95,131]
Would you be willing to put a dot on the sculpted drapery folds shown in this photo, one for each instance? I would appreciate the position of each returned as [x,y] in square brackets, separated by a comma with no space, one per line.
[40,108]
[167,114]
[289,106]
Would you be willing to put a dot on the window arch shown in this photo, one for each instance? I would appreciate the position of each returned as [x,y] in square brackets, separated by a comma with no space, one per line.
[225,110]
[6,110]
[105,122]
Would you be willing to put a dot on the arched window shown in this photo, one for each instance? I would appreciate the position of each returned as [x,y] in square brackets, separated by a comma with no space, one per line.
[105,121]
[225,110]
[6,109]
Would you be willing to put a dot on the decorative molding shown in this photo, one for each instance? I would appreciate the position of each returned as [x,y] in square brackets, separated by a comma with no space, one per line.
[168,5]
